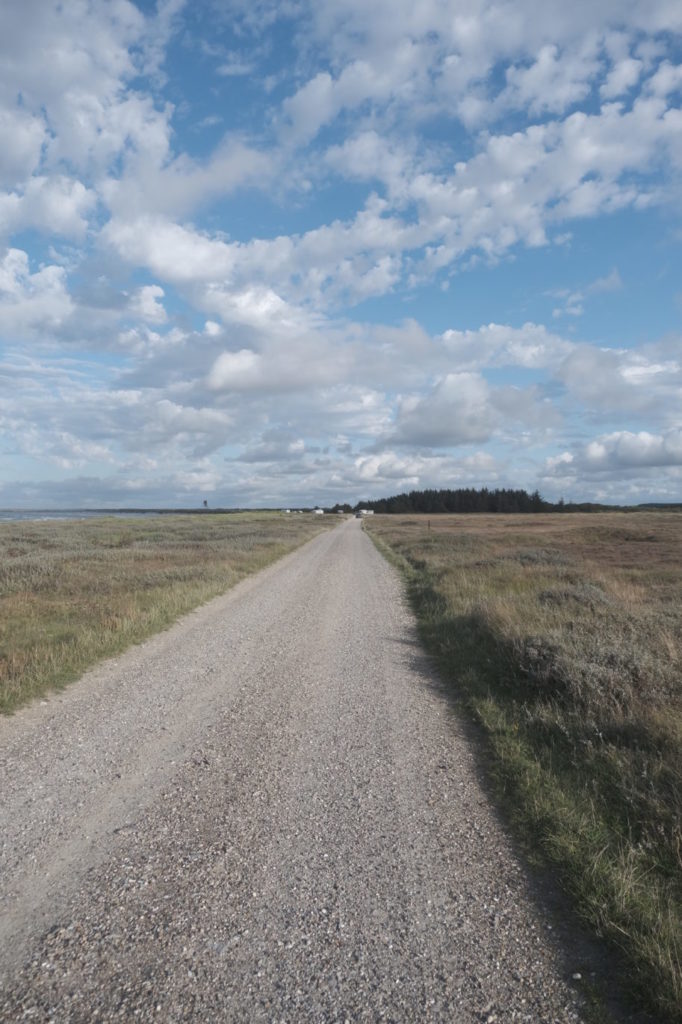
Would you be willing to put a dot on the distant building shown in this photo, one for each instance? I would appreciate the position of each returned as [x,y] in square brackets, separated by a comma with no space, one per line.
[318,511]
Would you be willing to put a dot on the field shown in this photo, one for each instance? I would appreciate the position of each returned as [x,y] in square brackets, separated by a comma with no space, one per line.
[73,592]
[562,636]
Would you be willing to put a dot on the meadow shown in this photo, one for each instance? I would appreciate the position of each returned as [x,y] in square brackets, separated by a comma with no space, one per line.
[562,636]
[73,592]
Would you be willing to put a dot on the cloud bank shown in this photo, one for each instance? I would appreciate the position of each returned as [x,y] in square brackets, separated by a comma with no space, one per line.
[276,254]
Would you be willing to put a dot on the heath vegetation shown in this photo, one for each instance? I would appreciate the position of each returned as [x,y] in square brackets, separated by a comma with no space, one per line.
[563,637]
[72,592]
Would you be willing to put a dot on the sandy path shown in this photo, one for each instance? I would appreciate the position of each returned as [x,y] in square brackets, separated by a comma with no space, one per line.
[267,813]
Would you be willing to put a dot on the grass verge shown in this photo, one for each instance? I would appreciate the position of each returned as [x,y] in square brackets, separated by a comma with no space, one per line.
[74,592]
[563,635]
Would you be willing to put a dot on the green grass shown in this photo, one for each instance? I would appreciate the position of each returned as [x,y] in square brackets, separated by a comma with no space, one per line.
[74,592]
[563,636]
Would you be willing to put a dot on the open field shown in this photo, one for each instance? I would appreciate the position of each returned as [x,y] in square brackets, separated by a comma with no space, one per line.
[267,813]
[77,591]
[563,637]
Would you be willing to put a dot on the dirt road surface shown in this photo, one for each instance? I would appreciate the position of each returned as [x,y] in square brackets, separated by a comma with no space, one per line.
[267,813]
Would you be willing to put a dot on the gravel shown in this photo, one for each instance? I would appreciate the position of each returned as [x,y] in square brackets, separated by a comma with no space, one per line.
[268,812]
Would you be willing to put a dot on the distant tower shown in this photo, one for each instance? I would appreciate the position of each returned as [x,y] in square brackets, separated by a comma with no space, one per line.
[205,503]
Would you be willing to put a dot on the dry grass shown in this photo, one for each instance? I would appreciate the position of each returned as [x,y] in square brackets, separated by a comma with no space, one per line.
[564,636]
[77,591]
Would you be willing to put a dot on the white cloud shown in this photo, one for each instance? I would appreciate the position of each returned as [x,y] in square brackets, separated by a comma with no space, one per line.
[177,186]
[620,454]
[397,144]
[159,28]
[62,448]
[666,80]
[610,283]
[531,346]
[458,411]
[574,301]
[443,55]
[311,107]
[275,446]
[29,302]
[624,450]
[145,304]
[390,472]
[513,192]
[553,82]
[622,77]
[627,381]
[70,62]
[55,413]
[369,156]
[235,371]
[21,140]
[197,430]
[57,205]
[172,252]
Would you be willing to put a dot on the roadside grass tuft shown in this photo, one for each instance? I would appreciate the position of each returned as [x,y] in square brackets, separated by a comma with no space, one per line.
[563,635]
[74,592]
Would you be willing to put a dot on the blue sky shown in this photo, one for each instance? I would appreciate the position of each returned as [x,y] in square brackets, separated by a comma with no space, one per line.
[273,253]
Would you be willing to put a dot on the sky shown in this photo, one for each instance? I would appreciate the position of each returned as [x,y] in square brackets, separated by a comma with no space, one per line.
[294,252]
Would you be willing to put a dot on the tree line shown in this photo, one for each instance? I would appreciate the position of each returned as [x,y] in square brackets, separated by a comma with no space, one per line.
[465,499]
[471,499]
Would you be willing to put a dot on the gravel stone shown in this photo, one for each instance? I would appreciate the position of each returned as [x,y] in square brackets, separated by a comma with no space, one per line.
[269,812]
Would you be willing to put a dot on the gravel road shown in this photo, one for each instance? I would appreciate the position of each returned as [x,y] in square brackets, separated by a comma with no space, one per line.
[267,813]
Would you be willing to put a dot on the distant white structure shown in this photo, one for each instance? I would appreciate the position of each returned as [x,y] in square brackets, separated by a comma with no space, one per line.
[365,511]
[318,511]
